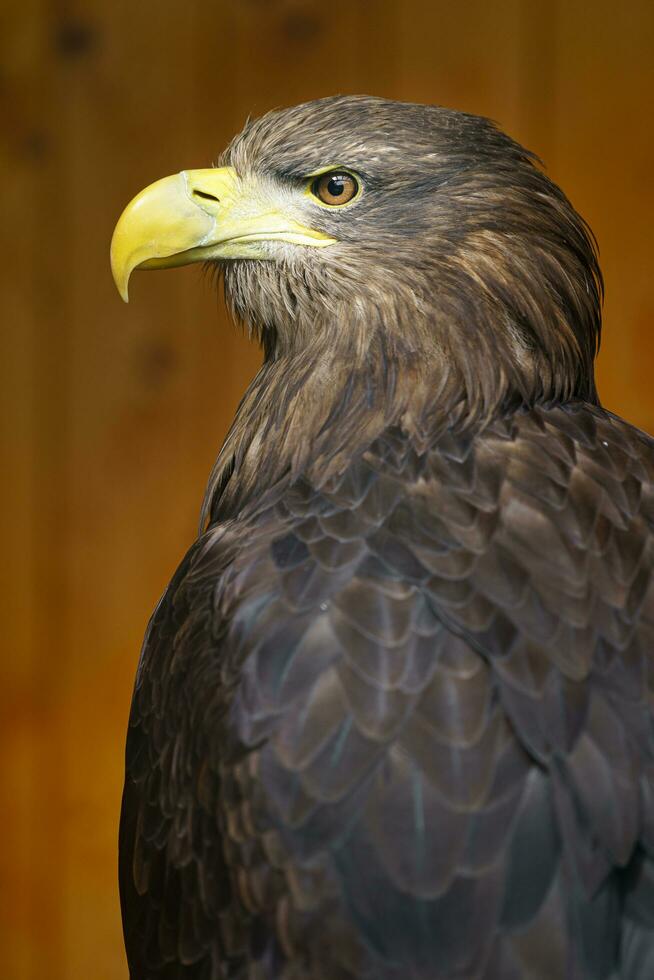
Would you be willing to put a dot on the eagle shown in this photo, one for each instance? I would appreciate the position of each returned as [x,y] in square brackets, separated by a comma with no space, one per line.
[391,718]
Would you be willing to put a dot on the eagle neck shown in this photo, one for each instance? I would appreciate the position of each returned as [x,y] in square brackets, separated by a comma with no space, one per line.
[327,390]
[310,411]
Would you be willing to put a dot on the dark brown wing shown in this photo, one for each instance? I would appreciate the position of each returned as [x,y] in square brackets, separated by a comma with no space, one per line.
[413,705]
[175,895]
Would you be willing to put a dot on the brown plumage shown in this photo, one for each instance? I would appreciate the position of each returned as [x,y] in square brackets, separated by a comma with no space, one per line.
[391,718]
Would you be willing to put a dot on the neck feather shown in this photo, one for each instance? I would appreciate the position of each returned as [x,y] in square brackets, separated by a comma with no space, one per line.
[395,352]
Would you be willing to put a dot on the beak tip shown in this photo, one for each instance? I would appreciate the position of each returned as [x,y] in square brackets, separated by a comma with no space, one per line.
[122,285]
[121,281]
[121,276]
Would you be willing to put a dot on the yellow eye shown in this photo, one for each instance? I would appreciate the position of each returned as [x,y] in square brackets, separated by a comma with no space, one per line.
[335,187]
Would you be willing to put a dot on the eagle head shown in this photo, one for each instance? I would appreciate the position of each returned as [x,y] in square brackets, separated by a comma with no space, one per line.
[356,230]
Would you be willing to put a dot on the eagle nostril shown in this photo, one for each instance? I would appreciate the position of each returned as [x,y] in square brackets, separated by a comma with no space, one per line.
[207,197]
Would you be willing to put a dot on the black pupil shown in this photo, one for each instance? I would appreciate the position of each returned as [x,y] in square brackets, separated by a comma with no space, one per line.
[336,186]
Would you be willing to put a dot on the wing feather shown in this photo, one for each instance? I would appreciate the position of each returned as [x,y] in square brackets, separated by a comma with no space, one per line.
[399,725]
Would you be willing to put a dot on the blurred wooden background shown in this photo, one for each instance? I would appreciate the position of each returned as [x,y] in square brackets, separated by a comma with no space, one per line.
[112,415]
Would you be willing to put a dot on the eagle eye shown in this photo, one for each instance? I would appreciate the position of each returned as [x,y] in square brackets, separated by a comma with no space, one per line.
[334,188]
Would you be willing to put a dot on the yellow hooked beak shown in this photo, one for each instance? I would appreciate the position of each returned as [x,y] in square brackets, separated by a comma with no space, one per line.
[197,215]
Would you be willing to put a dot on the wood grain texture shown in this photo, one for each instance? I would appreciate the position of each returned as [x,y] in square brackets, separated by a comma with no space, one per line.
[112,415]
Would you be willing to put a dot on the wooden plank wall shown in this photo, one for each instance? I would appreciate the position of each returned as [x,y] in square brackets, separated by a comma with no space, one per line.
[112,415]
